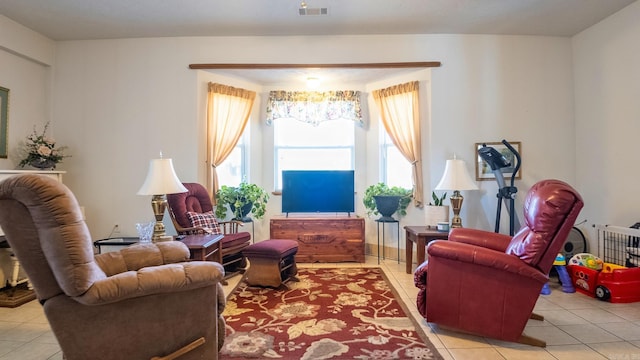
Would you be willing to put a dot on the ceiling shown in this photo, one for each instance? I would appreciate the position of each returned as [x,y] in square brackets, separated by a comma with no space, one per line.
[115,19]
[99,19]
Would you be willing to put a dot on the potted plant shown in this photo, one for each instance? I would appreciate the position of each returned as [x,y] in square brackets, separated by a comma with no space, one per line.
[437,201]
[242,200]
[436,211]
[377,197]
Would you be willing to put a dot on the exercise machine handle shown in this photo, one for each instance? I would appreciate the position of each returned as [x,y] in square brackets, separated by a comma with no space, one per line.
[517,166]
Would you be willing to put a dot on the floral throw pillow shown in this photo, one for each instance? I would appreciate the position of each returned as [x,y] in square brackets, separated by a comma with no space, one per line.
[207,221]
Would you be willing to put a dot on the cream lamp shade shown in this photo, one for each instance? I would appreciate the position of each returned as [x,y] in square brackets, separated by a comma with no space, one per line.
[456,178]
[161,180]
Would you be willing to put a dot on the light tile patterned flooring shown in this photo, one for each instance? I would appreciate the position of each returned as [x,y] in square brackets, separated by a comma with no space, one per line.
[575,327]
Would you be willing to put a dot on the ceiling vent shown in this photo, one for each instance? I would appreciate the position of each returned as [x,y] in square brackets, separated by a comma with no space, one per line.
[303,11]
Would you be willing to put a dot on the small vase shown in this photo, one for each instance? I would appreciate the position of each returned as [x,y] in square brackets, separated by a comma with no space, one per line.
[43,164]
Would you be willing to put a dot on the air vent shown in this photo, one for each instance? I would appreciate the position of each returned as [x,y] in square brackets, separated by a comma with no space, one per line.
[313,11]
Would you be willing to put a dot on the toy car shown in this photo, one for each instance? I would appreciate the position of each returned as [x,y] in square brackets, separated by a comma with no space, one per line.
[614,283]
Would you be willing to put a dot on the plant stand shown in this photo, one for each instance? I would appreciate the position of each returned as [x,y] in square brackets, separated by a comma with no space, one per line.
[253,228]
[383,223]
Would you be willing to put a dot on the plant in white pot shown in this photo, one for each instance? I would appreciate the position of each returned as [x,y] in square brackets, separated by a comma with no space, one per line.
[436,211]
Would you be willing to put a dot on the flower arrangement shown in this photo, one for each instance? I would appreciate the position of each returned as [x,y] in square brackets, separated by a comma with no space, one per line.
[41,151]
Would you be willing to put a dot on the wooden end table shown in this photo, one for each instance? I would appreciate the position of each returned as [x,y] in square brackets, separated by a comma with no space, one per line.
[421,235]
[204,247]
[114,244]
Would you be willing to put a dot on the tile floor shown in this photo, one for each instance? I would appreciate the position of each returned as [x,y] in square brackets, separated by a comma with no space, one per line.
[575,327]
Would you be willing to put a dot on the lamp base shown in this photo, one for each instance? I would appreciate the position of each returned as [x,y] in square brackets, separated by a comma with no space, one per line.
[165,238]
[159,205]
[456,204]
[456,222]
[158,231]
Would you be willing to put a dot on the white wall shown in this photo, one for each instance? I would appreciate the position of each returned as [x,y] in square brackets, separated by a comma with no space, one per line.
[117,103]
[25,59]
[121,101]
[26,43]
[607,86]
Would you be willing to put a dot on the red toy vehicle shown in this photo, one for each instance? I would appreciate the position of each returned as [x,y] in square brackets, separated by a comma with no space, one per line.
[614,283]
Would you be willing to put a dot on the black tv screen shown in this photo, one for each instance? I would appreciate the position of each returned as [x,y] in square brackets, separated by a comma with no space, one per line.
[318,191]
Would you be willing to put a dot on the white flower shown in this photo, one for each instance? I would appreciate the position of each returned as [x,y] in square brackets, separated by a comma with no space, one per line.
[44,150]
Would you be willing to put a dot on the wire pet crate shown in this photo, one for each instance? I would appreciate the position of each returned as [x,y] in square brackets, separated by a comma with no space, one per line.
[619,245]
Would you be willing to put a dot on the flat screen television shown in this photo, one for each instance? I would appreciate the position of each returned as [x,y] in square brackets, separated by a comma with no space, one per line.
[307,191]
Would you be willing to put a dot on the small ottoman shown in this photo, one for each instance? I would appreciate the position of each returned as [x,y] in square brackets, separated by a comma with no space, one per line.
[271,262]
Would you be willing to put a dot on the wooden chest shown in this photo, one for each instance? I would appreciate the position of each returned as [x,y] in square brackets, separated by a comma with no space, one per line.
[323,239]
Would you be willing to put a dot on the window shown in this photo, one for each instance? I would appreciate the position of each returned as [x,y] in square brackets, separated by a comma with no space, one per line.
[228,112]
[395,169]
[298,145]
[399,115]
[233,170]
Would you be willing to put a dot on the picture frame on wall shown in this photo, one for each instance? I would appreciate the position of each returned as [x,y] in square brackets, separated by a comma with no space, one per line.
[4,119]
[483,170]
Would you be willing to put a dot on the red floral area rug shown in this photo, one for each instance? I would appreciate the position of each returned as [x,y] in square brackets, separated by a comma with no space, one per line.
[348,313]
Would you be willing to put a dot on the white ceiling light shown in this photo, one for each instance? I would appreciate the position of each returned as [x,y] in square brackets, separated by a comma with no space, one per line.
[306,10]
[313,82]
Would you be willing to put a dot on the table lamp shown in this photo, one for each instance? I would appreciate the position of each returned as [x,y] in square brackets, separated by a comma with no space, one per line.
[456,178]
[161,180]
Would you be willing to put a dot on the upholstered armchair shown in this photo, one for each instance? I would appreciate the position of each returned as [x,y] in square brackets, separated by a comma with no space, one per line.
[183,207]
[487,284]
[146,301]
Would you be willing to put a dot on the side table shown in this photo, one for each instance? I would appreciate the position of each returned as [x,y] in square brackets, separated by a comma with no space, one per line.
[421,235]
[204,247]
[13,279]
[114,244]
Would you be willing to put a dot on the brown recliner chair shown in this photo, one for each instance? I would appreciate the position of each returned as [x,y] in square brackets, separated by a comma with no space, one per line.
[197,200]
[487,284]
[143,302]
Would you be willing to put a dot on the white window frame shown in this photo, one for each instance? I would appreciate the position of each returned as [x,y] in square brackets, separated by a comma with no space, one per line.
[276,148]
[385,146]
[242,145]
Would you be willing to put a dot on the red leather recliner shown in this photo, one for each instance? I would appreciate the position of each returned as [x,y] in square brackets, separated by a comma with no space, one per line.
[487,284]
[197,199]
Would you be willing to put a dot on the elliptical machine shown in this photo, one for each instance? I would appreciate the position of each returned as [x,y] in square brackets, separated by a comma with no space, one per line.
[497,162]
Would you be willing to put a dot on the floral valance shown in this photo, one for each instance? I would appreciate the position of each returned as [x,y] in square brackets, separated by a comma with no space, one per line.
[314,107]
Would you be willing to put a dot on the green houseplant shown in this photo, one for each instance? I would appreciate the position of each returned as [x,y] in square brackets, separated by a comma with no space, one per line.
[372,199]
[242,200]
[437,201]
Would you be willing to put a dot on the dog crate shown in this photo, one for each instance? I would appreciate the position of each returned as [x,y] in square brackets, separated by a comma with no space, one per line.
[619,245]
